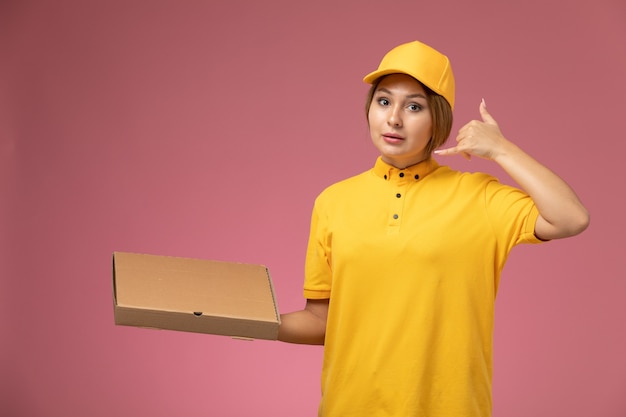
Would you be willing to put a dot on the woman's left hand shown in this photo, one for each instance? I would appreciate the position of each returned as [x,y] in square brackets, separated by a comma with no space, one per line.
[478,138]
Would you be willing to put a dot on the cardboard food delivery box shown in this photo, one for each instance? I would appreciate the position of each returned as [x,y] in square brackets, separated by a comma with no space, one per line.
[194,295]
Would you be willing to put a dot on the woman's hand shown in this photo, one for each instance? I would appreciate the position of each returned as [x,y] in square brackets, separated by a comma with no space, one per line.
[479,138]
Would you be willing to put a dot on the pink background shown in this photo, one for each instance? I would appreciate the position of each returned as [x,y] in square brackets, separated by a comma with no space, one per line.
[206,129]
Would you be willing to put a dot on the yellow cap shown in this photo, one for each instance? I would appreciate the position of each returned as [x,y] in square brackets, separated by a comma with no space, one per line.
[420,61]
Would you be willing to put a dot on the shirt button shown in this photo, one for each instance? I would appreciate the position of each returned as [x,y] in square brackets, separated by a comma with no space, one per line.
[385,176]
[401,174]
[417,177]
[398,195]
[395,216]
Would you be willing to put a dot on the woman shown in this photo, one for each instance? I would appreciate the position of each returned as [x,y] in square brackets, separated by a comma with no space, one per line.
[404,260]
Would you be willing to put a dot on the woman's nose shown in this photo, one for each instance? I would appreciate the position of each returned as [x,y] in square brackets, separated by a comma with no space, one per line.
[395,118]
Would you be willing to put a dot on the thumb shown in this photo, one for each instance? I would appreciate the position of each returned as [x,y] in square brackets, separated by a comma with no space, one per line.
[484,114]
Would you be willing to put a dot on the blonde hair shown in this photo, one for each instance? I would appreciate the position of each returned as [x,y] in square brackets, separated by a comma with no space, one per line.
[440,111]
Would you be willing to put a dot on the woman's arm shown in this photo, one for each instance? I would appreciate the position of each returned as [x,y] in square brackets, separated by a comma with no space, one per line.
[561,214]
[307,326]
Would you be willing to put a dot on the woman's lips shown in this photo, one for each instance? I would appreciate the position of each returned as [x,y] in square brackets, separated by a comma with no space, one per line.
[392,138]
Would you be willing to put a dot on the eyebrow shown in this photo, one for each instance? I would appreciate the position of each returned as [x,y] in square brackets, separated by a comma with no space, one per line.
[384,90]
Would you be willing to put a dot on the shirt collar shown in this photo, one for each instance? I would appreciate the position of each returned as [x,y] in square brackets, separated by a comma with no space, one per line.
[415,172]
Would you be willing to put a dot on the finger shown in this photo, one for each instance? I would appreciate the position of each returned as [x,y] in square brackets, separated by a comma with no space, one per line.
[463,131]
[447,151]
[485,115]
[453,151]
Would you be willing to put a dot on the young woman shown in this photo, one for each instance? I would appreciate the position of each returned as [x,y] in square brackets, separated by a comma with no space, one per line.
[404,260]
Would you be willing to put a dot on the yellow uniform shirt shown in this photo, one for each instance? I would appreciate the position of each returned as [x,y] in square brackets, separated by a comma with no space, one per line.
[411,261]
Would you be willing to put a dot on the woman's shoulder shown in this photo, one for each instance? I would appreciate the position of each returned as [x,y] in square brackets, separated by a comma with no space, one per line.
[446,173]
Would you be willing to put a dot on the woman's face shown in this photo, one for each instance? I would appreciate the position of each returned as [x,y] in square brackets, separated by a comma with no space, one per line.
[400,120]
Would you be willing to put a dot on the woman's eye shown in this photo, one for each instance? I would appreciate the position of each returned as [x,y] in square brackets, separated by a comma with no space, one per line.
[383,101]
[415,107]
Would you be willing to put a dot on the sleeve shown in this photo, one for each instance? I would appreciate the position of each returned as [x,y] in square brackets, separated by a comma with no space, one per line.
[318,271]
[512,214]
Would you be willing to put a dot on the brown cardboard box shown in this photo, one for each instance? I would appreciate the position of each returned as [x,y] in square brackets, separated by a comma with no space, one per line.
[194,295]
